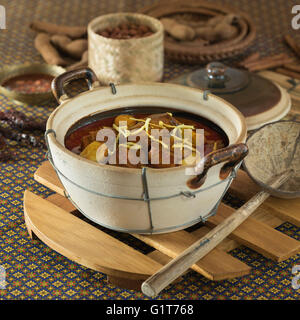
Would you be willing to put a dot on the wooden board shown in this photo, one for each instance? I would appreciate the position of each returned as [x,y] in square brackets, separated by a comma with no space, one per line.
[259,236]
[285,209]
[288,210]
[230,267]
[216,265]
[83,243]
[242,187]
[47,176]
[227,266]
[256,232]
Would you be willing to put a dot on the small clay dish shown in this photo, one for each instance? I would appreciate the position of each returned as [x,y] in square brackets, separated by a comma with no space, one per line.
[273,149]
[15,81]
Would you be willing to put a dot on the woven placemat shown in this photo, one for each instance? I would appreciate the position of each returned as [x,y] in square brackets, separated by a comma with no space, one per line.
[34,271]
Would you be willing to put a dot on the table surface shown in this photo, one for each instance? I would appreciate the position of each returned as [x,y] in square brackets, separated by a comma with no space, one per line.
[33,270]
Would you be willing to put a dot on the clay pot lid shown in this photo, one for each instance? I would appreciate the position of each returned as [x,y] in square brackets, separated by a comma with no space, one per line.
[258,99]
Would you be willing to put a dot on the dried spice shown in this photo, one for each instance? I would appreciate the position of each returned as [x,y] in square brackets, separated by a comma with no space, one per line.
[218,28]
[29,83]
[268,62]
[74,49]
[14,121]
[18,119]
[52,28]
[24,138]
[126,31]
[60,44]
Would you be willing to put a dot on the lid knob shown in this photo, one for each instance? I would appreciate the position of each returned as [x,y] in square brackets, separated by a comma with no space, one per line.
[219,78]
[216,74]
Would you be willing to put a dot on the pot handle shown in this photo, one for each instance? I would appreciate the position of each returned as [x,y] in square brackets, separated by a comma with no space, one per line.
[58,83]
[232,155]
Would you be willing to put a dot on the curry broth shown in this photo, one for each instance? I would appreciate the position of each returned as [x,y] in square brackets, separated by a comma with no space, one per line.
[82,128]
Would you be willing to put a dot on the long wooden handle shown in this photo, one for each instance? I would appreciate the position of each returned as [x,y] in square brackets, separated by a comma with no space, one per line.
[158,281]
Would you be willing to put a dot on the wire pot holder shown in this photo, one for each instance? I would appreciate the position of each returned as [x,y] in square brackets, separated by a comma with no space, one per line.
[145,197]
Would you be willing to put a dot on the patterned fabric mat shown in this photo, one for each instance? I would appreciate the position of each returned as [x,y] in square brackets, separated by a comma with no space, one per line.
[34,271]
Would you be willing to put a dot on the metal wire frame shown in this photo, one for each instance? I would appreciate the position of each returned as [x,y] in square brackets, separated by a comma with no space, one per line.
[145,197]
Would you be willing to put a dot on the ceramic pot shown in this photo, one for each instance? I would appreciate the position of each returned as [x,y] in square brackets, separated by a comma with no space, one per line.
[136,200]
[126,60]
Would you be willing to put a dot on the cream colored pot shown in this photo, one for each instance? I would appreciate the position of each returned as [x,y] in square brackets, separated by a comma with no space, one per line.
[152,200]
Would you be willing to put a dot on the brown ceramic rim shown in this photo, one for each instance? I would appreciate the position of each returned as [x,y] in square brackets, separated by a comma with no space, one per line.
[240,139]
[261,184]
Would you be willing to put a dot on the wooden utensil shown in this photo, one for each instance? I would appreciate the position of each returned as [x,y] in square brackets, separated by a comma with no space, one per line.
[158,281]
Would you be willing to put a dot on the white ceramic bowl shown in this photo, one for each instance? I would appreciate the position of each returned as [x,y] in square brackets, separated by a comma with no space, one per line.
[98,190]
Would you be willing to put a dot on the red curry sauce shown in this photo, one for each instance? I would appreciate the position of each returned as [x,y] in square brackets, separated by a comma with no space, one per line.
[29,83]
[212,132]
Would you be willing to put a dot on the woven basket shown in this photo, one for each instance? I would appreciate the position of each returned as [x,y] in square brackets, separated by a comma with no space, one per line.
[126,60]
[193,53]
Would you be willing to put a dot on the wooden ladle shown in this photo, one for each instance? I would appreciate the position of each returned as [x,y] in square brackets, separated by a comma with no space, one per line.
[158,281]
